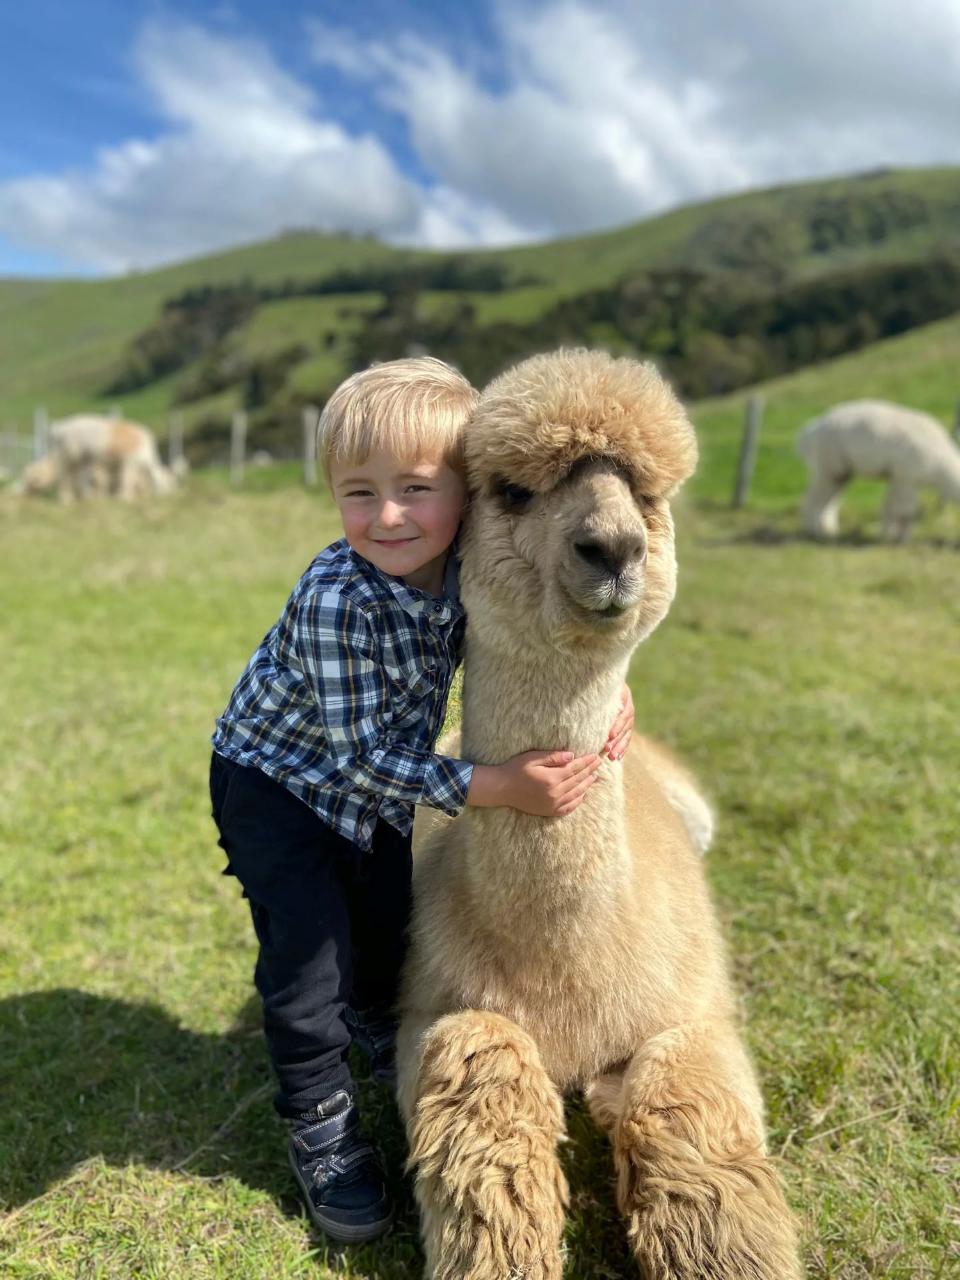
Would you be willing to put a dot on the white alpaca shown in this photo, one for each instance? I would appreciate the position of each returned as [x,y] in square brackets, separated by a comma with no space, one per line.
[874,438]
[91,454]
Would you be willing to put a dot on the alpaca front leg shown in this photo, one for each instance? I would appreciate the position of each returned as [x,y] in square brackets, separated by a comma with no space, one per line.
[483,1122]
[821,505]
[66,487]
[701,1197]
[127,481]
[899,510]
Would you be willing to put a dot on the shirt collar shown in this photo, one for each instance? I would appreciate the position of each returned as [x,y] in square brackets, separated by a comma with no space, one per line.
[414,602]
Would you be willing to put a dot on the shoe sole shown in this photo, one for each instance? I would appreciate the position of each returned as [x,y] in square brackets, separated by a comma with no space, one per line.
[341,1231]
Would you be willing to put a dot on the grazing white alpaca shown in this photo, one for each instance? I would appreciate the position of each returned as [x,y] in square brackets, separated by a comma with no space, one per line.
[91,455]
[874,438]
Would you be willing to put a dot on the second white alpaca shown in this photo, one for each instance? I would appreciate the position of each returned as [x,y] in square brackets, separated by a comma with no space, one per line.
[909,449]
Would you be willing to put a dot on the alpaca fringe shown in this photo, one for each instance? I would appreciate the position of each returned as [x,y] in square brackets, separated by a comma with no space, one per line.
[483,1144]
[698,1209]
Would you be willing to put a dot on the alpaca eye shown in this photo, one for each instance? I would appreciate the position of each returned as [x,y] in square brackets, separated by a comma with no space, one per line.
[513,496]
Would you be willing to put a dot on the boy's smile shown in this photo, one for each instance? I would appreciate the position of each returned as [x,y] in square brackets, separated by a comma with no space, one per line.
[399,514]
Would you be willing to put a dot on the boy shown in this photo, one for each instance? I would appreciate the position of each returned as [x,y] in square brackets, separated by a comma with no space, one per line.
[325,748]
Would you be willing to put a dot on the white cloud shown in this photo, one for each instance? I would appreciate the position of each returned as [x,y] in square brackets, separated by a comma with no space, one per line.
[603,111]
[246,156]
[615,110]
[449,220]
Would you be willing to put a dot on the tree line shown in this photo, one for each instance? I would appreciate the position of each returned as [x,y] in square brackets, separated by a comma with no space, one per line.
[710,332]
[192,325]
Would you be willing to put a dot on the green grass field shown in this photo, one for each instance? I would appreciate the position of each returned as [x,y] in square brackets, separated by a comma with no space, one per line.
[815,692]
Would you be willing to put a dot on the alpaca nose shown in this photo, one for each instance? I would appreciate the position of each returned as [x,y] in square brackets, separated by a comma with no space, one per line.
[613,555]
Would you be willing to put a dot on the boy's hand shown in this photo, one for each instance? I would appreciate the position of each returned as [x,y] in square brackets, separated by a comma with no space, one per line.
[618,739]
[547,784]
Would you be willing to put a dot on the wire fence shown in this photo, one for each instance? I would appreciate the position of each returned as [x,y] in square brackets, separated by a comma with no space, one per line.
[227,444]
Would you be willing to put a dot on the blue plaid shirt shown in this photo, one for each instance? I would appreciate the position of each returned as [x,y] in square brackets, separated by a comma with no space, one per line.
[344,698]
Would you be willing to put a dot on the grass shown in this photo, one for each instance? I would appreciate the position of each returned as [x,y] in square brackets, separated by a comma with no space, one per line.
[814,691]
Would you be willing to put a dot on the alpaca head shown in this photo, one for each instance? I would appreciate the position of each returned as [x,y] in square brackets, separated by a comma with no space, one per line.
[39,476]
[572,457]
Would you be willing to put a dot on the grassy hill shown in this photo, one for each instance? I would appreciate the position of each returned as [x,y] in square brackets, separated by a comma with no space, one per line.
[920,368]
[61,342]
[812,689]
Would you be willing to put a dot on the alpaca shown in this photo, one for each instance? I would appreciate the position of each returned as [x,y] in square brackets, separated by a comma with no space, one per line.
[91,455]
[126,451]
[39,476]
[909,449]
[581,952]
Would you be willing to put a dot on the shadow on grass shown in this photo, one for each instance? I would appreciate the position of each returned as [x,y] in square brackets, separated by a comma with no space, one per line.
[84,1075]
[771,524]
[774,535]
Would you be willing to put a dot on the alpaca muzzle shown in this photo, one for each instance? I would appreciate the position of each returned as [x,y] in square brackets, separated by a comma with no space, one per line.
[614,557]
[608,572]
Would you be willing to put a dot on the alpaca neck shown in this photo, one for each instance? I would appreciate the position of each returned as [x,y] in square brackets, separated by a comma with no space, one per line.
[528,702]
[523,867]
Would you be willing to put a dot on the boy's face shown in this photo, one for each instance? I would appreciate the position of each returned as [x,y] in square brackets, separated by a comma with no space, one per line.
[400,515]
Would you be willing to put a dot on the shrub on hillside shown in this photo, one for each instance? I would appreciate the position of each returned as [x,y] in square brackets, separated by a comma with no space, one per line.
[859,218]
[266,375]
[221,368]
[190,325]
[709,332]
[455,274]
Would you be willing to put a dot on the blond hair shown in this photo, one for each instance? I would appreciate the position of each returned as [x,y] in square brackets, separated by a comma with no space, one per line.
[415,407]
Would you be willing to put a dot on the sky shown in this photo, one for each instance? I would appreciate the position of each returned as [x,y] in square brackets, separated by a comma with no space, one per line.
[138,132]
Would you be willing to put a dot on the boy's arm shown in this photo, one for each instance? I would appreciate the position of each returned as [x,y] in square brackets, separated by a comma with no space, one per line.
[548,784]
[340,659]
[341,662]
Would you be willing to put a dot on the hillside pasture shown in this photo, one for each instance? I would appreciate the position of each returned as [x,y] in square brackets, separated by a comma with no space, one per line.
[920,369]
[62,341]
[814,691]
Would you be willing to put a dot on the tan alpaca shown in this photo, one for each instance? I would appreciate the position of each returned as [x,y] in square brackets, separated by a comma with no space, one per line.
[580,952]
[92,455]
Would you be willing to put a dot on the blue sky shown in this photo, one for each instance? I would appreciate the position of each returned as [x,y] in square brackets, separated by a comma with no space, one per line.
[142,132]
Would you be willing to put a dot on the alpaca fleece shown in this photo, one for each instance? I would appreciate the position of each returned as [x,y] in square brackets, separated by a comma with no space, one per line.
[582,952]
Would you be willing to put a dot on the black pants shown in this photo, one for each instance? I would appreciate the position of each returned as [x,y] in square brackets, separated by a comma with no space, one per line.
[330,919]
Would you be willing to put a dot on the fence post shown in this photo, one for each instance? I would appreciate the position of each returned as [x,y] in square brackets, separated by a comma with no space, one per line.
[238,446]
[748,449]
[956,423]
[41,431]
[311,415]
[175,440]
[15,450]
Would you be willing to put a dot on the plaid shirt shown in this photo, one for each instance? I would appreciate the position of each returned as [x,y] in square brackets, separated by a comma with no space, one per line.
[345,696]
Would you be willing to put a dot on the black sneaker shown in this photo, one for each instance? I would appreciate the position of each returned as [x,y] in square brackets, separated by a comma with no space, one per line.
[374,1031]
[339,1172]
